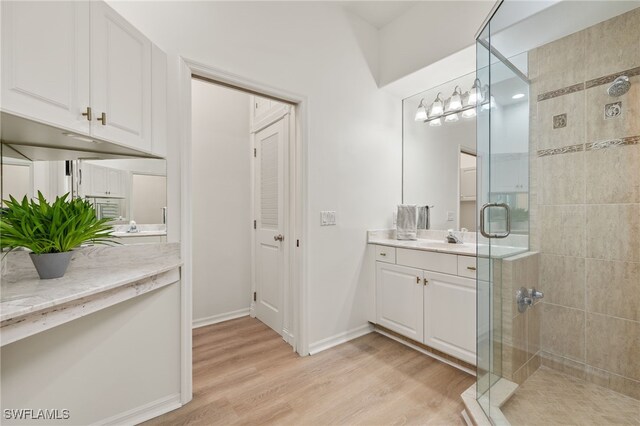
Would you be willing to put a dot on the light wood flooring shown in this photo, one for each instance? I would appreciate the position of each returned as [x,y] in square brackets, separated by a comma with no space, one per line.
[244,373]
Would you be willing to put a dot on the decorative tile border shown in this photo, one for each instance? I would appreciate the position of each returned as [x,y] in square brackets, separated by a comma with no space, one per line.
[609,78]
[560,92]
[632,140]
[563,150]
[589,84]
[592,146]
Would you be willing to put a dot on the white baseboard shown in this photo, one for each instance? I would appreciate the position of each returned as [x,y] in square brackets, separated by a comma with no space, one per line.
[214,319]
[287,336]
[340,338]
[145,412]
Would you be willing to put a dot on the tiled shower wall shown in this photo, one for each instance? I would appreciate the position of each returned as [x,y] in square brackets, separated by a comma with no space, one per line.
[585,197]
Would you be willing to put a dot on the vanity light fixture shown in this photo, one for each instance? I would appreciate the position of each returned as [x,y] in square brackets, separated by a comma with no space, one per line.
[490,104]
[421,113]
[436,122]
[451,118]
[518,96]
[437,107]
[469,113]
[475,94]
[455,101]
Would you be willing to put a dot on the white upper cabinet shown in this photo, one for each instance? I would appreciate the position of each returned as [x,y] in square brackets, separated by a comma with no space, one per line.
[120,79]
[61,58]
[45,62]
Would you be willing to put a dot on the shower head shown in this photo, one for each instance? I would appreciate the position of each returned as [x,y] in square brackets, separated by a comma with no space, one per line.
[619,87]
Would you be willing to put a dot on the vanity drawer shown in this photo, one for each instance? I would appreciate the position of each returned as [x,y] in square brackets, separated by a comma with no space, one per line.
[467,266]
[386,254]
[428,260]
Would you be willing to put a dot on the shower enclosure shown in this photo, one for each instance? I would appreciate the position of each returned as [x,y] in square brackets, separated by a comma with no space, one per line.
[558,154]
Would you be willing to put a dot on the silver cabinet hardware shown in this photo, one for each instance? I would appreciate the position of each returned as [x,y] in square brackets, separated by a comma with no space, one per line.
[279,237]
[103,118]
[535,294]
[508,220]
[88,114]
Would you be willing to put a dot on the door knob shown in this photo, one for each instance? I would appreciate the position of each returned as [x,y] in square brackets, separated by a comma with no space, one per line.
[279,237]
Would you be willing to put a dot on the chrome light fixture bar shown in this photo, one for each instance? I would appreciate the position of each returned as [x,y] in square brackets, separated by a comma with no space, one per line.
[458,104]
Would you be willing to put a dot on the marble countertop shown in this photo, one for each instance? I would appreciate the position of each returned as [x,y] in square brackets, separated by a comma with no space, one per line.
[92,270]
[468,248]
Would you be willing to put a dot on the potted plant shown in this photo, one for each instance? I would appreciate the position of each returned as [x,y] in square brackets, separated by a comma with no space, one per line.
[50,231]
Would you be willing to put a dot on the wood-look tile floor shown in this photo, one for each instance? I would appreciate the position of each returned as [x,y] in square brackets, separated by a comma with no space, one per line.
[244,373]
[550,397]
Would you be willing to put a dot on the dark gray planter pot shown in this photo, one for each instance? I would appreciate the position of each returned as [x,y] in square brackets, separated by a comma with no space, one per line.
[51,265]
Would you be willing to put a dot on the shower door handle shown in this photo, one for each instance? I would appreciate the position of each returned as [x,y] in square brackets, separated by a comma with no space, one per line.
[486,234]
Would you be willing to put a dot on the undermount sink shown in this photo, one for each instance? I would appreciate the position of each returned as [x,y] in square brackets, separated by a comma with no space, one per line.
[442,245]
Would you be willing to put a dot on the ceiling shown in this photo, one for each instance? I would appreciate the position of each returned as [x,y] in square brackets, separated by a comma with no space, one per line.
[378,13]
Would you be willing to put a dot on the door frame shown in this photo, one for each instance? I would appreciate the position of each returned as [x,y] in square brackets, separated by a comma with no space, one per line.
[298,206]
[469,151]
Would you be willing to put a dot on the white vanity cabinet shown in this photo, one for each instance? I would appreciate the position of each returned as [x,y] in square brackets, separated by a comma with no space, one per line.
[450,315]
[399,299]
[429,297]
[81,67]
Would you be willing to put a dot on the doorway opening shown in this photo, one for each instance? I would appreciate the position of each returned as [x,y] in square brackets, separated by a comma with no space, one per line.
[467,166]
[243,216]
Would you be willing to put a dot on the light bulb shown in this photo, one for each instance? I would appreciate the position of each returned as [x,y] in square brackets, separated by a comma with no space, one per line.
[455,101]
[451,118]
[436,122]
[469,113]
[475,94]
[437,107]
[421,113]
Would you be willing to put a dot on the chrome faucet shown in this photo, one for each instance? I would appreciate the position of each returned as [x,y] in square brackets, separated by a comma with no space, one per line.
[133,228]
[452,239]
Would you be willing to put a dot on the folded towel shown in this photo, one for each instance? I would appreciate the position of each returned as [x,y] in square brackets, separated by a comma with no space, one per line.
[406,222]
[423,217]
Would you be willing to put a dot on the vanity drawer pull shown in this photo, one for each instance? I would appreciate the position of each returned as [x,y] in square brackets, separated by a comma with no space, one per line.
[471,268]
[383,254]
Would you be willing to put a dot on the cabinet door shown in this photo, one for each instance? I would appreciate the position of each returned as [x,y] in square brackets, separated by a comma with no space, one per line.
[450,315]
[99,181]
[115,184]
[120,79]
[45,62]
[399,299]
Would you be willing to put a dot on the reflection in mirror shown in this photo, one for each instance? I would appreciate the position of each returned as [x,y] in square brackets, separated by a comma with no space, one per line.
[467,207]
[130,191]
[432,146]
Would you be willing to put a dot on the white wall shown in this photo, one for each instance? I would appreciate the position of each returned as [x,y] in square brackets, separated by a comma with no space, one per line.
[354,129]
[427,33]
[221,184]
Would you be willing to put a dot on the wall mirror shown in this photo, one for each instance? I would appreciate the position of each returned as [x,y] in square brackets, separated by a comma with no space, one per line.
[438,158]
[121,188]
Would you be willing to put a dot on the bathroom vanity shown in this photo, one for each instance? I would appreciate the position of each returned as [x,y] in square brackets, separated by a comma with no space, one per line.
[425,290]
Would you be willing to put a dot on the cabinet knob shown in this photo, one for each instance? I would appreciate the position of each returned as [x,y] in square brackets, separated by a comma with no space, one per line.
[103,118]
[418,280]
[383,254]
[279,237]
[88,114]
[426,281]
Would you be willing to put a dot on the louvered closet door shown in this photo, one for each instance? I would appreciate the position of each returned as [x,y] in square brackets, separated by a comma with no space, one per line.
[270,146]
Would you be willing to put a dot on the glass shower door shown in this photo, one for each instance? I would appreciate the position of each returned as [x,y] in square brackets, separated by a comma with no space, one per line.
[503,199]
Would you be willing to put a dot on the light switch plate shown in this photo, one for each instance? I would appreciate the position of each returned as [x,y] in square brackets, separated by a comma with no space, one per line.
[450,216]
[327,218]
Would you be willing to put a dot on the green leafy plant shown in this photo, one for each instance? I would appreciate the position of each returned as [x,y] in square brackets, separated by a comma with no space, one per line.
[51,228]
